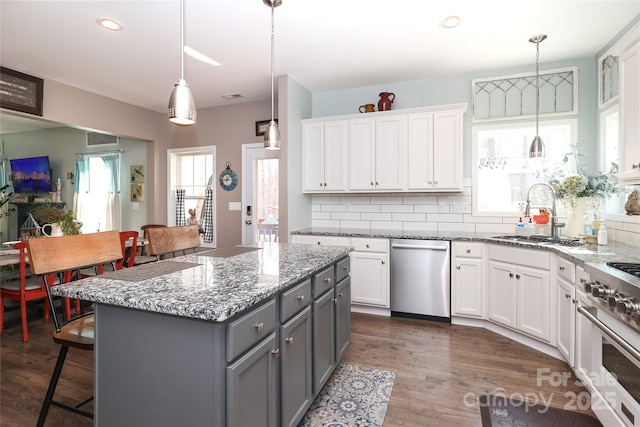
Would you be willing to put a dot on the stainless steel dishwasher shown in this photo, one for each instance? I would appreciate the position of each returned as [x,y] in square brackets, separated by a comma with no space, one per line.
[421,279]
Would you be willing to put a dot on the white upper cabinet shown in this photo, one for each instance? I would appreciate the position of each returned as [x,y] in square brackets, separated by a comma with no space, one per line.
[418,149]
[324,151]
[435,151]
[377,153]
[630,115]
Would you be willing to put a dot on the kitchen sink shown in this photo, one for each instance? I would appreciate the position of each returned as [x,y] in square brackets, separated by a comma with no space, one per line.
[542,239]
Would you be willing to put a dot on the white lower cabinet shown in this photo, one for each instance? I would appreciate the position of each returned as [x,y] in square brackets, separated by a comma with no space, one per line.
[467,280]
[520,295]
[370,272]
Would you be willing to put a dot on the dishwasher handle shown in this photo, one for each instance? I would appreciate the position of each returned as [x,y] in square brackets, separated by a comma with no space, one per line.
[405,246]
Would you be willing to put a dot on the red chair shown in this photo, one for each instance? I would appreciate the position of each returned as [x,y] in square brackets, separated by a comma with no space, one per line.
[23,289]
[128,252]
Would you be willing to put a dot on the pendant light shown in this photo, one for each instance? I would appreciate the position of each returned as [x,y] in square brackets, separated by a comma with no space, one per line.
[536,149]
[272,135]
[182,108]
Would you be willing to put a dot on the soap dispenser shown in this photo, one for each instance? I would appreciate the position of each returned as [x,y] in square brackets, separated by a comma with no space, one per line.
[602,235]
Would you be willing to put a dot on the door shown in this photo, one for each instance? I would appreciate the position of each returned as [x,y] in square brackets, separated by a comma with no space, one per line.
[502,293]
[389,152]
[372,284]
[467,287]
[260,194]
[566,320]
[533,301]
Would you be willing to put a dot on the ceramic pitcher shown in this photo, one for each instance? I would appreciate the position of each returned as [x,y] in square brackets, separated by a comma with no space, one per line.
[386,99]
[54,230]
[368,108]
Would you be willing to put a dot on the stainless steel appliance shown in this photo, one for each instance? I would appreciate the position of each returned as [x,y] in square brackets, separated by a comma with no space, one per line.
[614,378]
[421,279]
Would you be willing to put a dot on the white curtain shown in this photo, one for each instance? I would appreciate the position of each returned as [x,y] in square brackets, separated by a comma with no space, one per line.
[96,200]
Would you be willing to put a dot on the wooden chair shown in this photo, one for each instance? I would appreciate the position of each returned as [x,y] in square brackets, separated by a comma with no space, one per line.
[145,233]
[170,240]
[61,256]
[128,253]
[23,288]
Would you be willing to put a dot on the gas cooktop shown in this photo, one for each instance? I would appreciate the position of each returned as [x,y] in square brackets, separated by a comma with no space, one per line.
[627,267]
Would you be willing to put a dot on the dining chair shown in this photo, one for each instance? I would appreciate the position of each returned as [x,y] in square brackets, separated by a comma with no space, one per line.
[171,240]
[128,251]
[145,234]
[46,260]
[23,288]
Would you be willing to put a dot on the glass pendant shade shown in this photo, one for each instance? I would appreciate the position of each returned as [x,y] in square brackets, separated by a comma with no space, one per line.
[182,108]
[272,136]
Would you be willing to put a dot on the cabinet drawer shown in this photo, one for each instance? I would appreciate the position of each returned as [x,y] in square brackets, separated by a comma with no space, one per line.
[250,328]
[294,300]
[343,268]
[323,281]
[370,245]
[526,257]
[566,270]
[321,240]
[467,249]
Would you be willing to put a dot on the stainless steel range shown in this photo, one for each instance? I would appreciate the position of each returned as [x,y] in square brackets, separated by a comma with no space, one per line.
[615,334]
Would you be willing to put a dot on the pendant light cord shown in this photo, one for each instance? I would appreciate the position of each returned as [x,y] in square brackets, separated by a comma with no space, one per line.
[272,58]
[182,39]
[537,83]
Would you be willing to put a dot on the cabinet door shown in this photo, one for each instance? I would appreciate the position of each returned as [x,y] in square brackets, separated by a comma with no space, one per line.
[629,123]
[324,354]
[502,293]
[584,332]
[296,379]
[566,320]
[252,382]
[447,150]
[420,151]
[335,156]
[362,154]
[533,301]
[390,153]
[370,278]
[467,287]
[313,178]
[343,317]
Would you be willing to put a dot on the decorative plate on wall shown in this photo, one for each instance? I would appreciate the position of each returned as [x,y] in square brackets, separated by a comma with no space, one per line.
[228,178]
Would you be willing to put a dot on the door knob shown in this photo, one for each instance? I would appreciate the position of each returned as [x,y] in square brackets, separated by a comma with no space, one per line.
[248,222]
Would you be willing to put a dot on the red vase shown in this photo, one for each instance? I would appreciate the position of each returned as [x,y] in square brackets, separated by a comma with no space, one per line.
[386,99]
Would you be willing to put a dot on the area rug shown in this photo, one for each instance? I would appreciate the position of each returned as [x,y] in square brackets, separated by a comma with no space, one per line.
[353,397]
[500,411]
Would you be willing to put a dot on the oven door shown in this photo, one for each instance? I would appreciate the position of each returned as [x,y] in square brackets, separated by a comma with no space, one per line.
[615,372]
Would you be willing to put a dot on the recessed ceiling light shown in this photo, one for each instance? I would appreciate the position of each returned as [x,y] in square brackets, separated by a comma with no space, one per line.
[110,24]
[200,56]
[451,22]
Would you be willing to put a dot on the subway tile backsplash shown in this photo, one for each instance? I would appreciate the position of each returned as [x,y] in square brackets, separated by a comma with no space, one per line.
[427,212]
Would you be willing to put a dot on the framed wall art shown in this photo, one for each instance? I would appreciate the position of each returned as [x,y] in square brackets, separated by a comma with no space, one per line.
[262,126]
[21,92]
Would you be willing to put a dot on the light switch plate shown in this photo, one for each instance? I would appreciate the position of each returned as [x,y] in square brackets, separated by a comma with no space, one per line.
[235,206]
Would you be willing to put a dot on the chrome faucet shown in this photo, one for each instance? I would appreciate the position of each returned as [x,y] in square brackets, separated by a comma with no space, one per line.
[554,218]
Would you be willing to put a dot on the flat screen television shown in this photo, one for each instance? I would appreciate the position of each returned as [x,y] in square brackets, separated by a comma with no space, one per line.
[31,175]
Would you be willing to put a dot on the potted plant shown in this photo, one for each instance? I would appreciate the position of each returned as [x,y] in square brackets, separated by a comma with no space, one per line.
[50,214]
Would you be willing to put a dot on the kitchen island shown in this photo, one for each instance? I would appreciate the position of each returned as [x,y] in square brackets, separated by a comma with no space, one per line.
[234,336]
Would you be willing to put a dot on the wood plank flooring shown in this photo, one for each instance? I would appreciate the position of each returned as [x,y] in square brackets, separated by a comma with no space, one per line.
[438,368]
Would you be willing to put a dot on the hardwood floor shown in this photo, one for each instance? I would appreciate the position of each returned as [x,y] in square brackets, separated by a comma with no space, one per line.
[438,368]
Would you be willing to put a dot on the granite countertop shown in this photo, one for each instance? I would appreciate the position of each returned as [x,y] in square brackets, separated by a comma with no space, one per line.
[591,253]
[204,286]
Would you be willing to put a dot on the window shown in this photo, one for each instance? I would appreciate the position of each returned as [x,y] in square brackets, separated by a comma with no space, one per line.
[503,172]
[194,172]
[97,196]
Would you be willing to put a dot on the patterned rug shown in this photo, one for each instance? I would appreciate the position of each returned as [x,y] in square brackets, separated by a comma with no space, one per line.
[353,397]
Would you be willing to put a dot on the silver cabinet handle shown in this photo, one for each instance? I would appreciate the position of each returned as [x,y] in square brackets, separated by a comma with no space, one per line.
[276,352]
[377,183]
[289,340]
[327,279]
[430,182]
[371,182]
[367,246]
[517,276]
[561,268]
[300,297]
[382,262]
[403,246]
[334,300]
[567,296]
[259,326]
[510,274]
[248,222]
[340,295]
[325,184]
[468,251]
[435,182]
[457,267]
[635,166]
[583,280]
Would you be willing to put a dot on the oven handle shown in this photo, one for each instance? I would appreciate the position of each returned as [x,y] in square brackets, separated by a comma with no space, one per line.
[588,313]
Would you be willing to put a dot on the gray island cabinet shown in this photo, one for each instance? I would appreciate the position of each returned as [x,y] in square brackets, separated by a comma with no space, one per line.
[206,340]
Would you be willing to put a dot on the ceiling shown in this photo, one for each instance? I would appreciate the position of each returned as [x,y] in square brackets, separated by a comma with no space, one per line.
[324,45]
